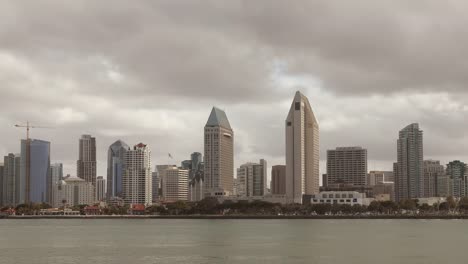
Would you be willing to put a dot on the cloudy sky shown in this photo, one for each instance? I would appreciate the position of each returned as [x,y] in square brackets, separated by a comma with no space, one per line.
[150,71]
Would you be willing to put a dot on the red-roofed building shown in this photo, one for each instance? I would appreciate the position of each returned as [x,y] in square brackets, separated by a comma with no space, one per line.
[92,210]
[141,145]
[137,209]
[9,211]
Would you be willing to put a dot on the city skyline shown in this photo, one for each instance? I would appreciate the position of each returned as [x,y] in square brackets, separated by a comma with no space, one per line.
[365,83]
[71,169]
[233,131]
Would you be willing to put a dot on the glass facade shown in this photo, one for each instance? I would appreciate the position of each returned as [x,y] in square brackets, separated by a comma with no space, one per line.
[115,168]
[35,171]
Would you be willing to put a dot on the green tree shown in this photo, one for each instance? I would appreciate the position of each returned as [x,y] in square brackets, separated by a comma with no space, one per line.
[375,207]
[388,207]
[463,204]
[208,205]
[408,204]
[452,204]
[425,208]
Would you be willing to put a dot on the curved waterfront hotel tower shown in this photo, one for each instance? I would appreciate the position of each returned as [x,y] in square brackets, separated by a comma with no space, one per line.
[302,150]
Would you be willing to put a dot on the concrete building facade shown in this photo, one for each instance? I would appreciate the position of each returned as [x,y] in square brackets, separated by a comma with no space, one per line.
[378,177]
[302,150]
[56,175]
[457,172]
[433,171]
[338,197]
[73,191]
[252,179]
[100,189]
[219,155]
[155,187]
[137,179]
[1,184]
[278,180]
[86,163]
[409,174]
[347,165]
[11,179]
[174,184]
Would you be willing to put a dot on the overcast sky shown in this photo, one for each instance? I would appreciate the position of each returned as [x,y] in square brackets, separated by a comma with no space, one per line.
[150,71]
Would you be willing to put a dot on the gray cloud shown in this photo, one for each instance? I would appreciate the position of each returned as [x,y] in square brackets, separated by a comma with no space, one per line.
[151,70]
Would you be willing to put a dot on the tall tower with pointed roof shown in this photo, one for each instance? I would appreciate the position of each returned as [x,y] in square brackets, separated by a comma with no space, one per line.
[302,150]
[219,155]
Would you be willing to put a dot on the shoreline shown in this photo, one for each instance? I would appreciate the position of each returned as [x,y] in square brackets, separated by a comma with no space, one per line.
[241,217]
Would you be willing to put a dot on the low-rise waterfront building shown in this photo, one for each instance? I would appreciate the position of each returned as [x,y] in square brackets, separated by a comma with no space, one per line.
[279,199]
[340,197]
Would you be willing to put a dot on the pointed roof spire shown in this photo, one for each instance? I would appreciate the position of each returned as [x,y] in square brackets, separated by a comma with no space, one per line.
[218,118]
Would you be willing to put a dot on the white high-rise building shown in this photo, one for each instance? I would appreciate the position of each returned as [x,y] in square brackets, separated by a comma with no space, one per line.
[100,188]
[219,155]
[137,184]
[174,184]
[73,191]
[302,150]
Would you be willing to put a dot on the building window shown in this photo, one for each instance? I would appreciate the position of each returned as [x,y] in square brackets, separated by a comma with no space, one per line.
[298,105]
[289,123]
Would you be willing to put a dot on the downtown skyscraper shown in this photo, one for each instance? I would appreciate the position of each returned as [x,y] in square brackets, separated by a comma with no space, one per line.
[86,164]
[11,179]
[252,179]
[35,184]
[302,150]
[137,178]
[219,155]
[347,165]
[115,168]
[409,169]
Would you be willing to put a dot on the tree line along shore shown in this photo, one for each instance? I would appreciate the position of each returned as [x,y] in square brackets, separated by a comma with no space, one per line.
[211,208]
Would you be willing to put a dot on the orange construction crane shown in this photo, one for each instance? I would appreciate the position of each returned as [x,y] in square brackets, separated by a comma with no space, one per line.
[28,158]
[28,127]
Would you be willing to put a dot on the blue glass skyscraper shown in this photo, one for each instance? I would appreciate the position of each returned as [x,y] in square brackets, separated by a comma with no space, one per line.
[35,181]
[115,168]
